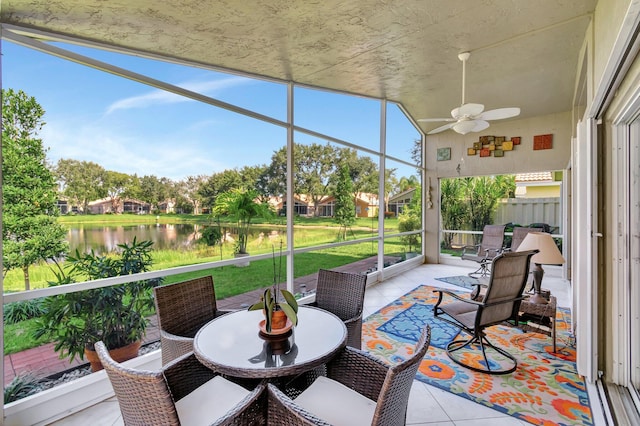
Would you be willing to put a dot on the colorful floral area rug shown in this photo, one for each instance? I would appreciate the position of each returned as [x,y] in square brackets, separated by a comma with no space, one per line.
[545,389]
[460,280]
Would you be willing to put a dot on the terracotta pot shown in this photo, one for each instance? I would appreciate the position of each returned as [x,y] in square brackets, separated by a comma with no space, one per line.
[119,355]
[278,320]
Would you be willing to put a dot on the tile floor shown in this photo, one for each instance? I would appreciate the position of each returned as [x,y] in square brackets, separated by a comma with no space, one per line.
[427,405]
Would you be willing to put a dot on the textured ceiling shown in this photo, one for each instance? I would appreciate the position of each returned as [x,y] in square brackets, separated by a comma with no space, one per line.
[524,53]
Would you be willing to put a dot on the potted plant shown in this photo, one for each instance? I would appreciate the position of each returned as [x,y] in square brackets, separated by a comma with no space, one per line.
[241,206]
[116,315]
[277,310]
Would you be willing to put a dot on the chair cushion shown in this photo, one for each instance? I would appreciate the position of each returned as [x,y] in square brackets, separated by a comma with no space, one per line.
[335,403]
[209,402]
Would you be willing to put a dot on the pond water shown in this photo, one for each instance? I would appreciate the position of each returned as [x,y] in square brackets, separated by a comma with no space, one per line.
[103,239]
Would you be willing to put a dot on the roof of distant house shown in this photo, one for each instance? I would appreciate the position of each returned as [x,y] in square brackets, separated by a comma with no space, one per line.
[535,177]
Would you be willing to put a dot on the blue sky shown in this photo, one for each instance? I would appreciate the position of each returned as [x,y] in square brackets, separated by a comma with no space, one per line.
[132,128]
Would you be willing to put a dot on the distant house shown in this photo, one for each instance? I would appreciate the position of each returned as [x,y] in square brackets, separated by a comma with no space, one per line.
[168,206]
[128,205]
[538,185]
[398,201]
[63,206]
[366,205]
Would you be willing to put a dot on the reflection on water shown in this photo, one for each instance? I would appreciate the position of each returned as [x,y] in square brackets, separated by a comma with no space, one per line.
[103,239]
[106,238]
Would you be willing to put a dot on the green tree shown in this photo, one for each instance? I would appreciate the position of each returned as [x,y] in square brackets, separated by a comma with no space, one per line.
[30,232]
[470,203]
[117,186]
[314,167]
[241,206]
[345,209]
[362,170]
[453,208]
[154,190]
[81,181]
[218,183]
[481,195]
[411,220]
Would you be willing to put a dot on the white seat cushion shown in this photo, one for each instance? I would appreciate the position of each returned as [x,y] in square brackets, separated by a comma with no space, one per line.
[335,403]
[209,402]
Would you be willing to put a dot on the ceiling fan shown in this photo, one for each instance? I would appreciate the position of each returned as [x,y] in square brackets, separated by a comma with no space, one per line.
[470,117]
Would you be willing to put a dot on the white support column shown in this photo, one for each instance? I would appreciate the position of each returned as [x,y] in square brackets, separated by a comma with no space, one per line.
[290,188]
[381,187]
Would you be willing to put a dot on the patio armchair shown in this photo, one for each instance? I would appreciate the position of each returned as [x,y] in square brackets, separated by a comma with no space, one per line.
[182,392]
[500,303]
[342,293]
[357,390]
[490,246]
[182,309]
[519,234]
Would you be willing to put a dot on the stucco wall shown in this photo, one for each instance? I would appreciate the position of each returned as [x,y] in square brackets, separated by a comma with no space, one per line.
[608,19]
[521,160]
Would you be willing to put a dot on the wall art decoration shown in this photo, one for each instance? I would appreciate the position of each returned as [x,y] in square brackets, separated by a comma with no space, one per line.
[444,154]
[542,142]
[495,146]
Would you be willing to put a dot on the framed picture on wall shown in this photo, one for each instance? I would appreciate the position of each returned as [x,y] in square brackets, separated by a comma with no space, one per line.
[444,154]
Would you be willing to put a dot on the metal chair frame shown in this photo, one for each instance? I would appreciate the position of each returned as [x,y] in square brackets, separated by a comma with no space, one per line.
[500,303]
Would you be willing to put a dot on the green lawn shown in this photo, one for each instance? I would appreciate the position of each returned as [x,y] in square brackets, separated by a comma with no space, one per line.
[229,280]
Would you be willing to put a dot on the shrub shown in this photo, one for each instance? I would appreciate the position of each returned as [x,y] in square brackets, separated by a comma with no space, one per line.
[21,386]
[212,235]
[23,310]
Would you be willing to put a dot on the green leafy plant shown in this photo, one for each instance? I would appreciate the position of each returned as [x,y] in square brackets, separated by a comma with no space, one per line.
[271,302]
[21,386]
[116,315]
[23,310]
[409,220]
[241,206]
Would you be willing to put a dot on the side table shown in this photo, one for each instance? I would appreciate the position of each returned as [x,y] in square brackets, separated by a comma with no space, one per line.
[539,317]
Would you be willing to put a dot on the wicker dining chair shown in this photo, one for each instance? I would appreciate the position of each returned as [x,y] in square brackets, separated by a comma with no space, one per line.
[182,392]
[358,389]
[182,309]
[342,293]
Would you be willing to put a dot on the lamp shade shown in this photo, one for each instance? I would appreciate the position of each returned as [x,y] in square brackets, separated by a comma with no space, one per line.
[548,251]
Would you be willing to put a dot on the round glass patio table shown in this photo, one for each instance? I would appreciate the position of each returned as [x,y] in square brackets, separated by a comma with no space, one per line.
[233,344]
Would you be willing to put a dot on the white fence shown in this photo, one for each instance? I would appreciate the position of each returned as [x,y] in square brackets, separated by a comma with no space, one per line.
[520,211]
[524,211]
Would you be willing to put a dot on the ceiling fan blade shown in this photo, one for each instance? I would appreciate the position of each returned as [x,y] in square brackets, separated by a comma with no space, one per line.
[499,114]
[441,129]
[467,110]
[480,125]
[435,119]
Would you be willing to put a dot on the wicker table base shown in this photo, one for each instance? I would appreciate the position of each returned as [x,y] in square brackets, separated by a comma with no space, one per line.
[539,318]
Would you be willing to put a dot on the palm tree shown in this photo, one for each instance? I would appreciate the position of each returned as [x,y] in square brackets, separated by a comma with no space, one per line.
[241,205]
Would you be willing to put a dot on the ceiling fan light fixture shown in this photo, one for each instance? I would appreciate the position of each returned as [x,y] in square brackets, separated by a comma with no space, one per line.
[464,127]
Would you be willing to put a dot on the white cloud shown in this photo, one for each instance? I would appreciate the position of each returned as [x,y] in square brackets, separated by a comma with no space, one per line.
[162,158]
[158,96]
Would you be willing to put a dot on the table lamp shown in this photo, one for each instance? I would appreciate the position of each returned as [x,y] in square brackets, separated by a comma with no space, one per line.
[548,255]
